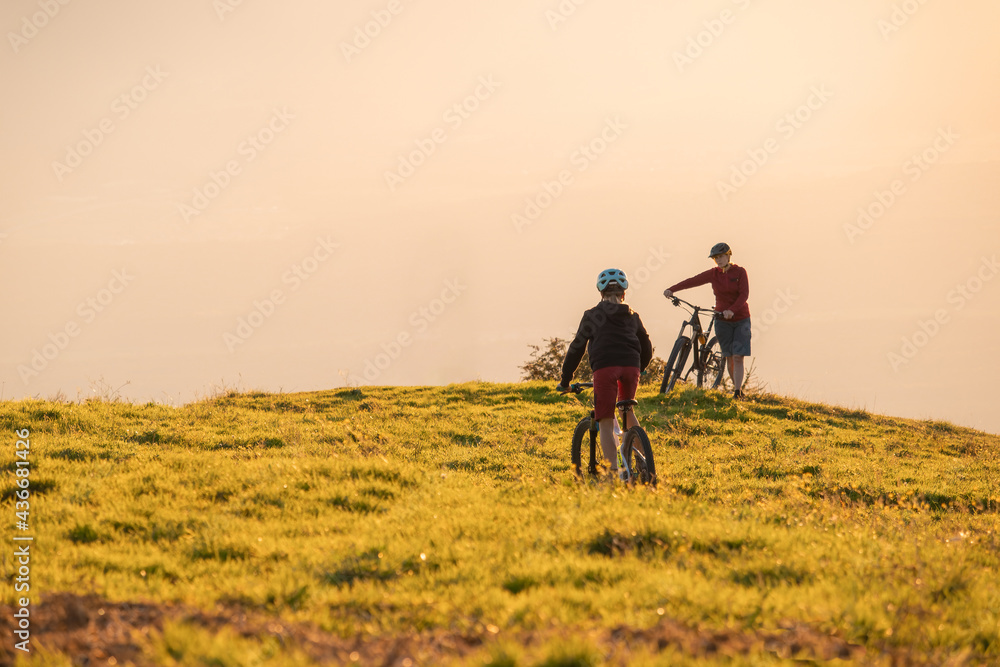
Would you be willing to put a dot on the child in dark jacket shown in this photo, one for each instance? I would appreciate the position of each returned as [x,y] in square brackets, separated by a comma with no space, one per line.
[619,349]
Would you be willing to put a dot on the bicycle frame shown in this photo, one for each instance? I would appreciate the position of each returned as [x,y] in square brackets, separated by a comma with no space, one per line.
[635,455]
[577,388]
[700,342]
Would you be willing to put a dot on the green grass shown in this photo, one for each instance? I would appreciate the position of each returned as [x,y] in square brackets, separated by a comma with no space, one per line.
[384,513]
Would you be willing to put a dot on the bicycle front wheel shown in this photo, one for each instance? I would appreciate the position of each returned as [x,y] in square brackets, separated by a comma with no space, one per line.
[638,453]
[668,367]
[584,433]
[697,366]
[675,363]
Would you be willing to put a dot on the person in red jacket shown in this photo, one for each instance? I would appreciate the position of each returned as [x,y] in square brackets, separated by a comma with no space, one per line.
[619,350]
[731,287]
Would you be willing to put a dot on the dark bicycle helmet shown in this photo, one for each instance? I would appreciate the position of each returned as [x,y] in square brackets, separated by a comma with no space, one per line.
[609,276]
[719,249]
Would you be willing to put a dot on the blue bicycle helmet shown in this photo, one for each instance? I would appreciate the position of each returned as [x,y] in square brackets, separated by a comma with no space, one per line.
[609,276]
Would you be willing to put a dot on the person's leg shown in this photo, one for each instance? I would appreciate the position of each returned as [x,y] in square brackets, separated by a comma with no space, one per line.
[736,371]
[628,384]
[605,393]
[608,444]
[740,350]
[724,334]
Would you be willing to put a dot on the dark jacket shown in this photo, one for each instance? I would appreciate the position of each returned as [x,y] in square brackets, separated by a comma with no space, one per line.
[615,336]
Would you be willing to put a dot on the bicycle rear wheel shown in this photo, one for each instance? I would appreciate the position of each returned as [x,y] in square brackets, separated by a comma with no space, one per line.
[675,363]
[714,363]
[638,453]
[580,435]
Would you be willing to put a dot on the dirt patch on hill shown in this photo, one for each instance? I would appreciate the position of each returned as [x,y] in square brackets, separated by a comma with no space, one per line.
[91,630]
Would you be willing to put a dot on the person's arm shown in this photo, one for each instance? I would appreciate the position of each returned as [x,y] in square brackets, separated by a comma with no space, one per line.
[575,352]
[701,279]
[645,346]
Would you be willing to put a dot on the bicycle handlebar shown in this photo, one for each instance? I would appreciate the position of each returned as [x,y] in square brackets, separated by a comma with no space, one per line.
[675,299]
[577,387]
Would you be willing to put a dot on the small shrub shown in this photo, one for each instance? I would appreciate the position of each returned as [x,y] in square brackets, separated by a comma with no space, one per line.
[546,362]
[84,534]
[517,584]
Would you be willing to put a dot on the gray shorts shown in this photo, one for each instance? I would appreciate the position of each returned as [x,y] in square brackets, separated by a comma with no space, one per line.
[734,337]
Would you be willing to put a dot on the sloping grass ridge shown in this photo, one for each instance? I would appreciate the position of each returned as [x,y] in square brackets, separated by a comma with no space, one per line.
[444,525]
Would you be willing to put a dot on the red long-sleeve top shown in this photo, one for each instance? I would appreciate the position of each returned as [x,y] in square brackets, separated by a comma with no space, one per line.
[731,288]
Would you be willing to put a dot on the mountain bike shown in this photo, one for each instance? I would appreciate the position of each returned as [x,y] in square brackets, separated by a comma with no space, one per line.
[708,362]
[635,455]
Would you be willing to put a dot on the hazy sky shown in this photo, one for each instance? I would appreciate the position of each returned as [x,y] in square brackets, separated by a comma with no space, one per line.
[285,196]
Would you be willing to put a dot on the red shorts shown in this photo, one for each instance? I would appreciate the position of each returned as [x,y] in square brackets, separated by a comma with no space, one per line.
[613,384]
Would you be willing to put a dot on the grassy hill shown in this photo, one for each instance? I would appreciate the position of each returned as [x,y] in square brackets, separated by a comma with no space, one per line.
[443,525]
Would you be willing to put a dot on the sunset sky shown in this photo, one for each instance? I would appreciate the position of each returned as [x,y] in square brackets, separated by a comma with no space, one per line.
[298,196]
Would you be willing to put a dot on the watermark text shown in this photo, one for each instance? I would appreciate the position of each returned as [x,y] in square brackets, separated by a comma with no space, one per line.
[786,127]
[454,118]
[247,151]
[264,308]
[87,311]
[420,320]
[958,298]
[580,159]
[121,108]
[31,25]
[913,168]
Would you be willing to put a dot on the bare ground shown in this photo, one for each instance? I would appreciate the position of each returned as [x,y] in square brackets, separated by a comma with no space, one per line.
[90,630]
